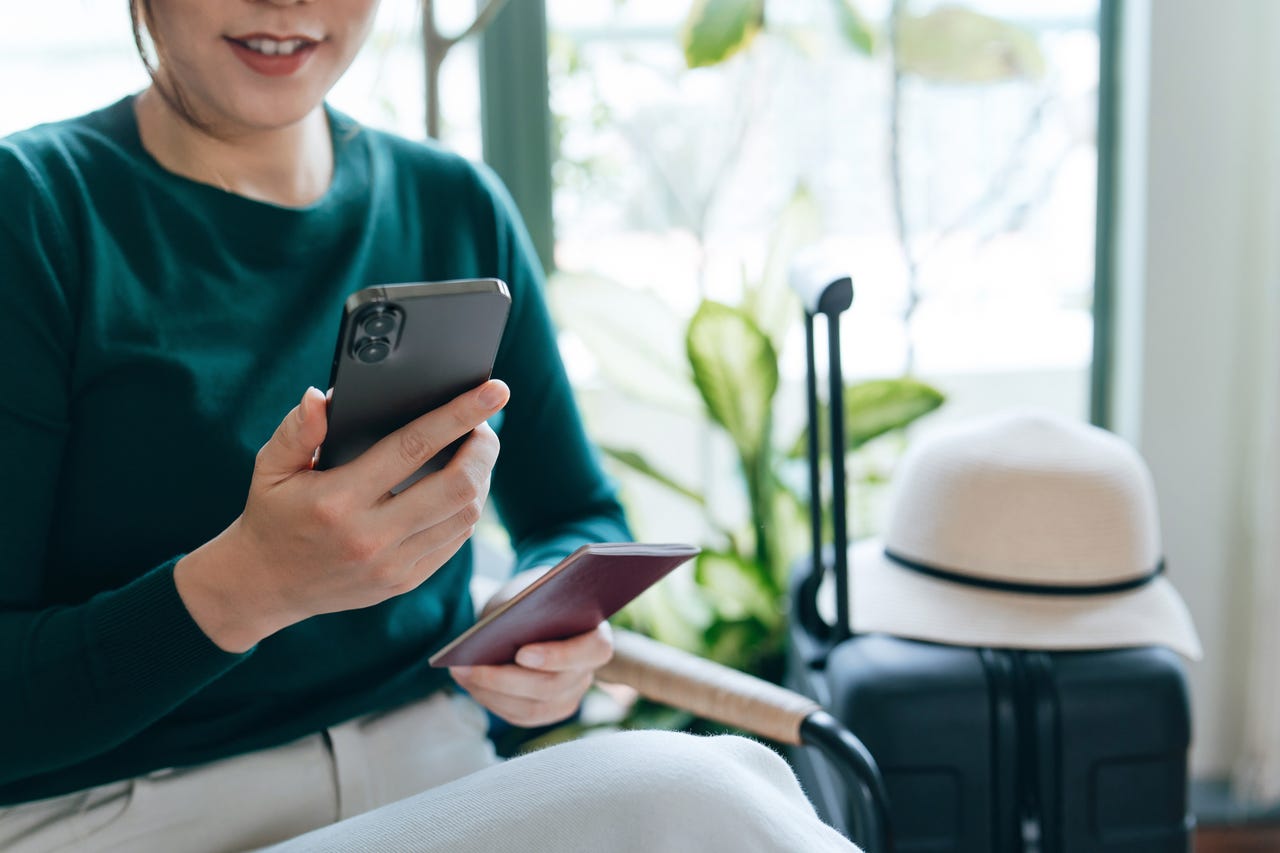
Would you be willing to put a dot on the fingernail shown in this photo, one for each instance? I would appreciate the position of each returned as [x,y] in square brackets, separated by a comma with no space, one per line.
[302,405]
[491,395]
[531,658]
[460,670]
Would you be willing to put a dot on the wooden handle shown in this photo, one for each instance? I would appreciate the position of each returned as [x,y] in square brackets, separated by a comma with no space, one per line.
[705,688]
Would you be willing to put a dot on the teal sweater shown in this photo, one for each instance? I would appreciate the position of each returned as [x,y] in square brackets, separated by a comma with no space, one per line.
[155,331]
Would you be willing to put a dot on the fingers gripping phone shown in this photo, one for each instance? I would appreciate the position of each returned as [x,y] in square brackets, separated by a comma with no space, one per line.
[403,350]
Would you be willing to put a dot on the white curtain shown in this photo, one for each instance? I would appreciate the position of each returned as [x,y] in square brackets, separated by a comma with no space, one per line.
[1197,379]
[1257,773]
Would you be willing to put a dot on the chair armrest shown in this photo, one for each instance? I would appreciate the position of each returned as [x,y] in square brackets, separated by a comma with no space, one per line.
[708,689]
[717,692]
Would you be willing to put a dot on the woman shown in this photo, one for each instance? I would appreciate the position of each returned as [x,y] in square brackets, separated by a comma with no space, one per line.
[179,589]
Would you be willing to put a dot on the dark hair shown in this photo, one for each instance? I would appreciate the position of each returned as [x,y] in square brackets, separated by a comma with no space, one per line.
[140,16]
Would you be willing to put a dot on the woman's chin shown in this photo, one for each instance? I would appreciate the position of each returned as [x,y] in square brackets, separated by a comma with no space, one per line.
[231,115]
[264,115]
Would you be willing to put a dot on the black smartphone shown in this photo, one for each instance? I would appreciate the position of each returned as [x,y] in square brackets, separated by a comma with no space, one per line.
[403,350]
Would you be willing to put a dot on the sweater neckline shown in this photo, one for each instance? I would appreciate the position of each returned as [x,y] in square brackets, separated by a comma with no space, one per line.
[343,185]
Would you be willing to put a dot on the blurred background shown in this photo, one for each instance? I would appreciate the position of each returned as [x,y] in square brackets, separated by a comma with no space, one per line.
[1066,204]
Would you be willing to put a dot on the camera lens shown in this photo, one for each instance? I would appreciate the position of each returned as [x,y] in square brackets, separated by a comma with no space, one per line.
[373,350]
[379,325]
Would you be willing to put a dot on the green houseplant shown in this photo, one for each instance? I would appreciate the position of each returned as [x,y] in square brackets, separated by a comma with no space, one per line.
[722,361]
[733,611]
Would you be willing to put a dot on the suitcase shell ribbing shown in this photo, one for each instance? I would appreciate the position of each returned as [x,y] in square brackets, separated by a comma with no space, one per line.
[988,751]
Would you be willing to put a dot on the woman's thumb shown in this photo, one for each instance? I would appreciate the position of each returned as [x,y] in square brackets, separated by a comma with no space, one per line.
[294,443]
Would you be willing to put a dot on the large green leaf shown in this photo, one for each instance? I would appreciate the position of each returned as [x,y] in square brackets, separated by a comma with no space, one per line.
[956,45]
[742,644]
[635,460]
[735,368]
[672,612]
[717,29]
[635,338]
[855,27]
[878,406]
[737,588]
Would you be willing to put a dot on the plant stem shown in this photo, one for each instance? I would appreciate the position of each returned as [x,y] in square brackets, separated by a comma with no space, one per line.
[436,46]
[760,515]
[758,469]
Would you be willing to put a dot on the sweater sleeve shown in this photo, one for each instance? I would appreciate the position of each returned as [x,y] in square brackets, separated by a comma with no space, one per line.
[548,486]
[80,677]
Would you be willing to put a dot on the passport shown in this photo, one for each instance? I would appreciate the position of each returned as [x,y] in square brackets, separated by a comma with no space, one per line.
[573,597]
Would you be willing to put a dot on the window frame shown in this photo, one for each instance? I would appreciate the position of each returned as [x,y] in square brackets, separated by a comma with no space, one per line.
[515,115]
[1101,364]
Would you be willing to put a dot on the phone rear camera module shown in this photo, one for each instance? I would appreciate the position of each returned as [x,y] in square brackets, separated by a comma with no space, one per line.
[373,350]
[380,324]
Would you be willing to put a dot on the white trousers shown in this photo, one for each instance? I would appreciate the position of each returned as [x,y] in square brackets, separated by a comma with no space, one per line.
[424,778]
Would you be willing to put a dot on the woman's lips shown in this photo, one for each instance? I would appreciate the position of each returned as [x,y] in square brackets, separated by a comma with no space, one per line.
[279,65]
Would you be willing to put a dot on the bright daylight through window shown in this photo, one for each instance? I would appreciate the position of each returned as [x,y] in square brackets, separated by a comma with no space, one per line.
[954,177]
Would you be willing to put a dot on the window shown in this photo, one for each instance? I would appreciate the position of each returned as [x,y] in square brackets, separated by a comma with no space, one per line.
[77,55]
[973,259]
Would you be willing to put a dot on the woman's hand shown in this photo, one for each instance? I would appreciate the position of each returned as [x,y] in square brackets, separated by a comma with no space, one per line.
[312,542]
[548,680]
[545,684]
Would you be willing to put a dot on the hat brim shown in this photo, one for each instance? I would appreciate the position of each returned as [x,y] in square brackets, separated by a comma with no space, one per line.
[890,599]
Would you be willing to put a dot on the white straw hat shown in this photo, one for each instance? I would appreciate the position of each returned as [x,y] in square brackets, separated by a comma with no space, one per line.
[1023,530]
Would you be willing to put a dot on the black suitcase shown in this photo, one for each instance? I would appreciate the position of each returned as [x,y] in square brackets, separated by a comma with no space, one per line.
[984,750]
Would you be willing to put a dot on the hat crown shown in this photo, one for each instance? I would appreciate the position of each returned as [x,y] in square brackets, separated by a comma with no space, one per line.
[1027,498]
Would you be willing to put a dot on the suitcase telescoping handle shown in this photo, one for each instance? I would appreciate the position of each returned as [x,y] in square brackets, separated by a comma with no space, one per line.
[825,292]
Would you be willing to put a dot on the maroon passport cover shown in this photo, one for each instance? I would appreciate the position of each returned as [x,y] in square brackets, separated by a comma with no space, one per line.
[575,596]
